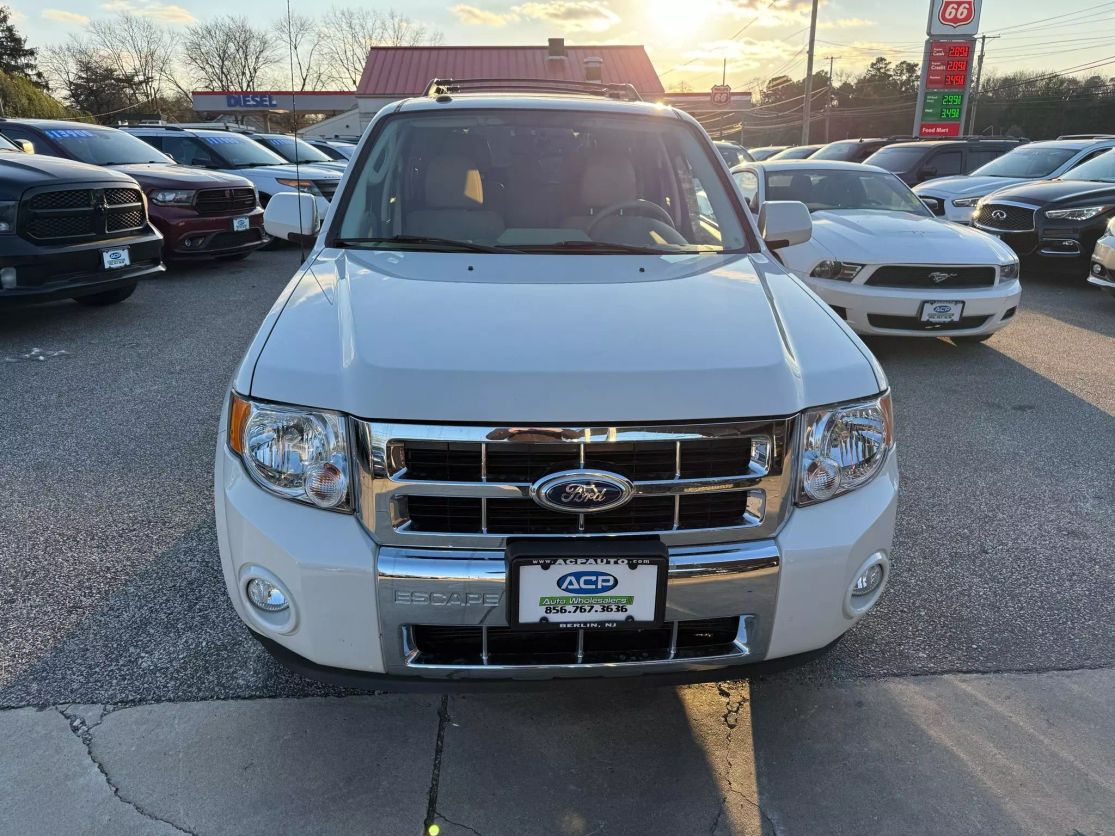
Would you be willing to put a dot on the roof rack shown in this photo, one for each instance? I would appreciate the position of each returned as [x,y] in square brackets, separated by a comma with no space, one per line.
[1087,136]
[449,86]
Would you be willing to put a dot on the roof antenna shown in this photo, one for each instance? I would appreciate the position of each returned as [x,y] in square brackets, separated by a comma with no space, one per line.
[294,126]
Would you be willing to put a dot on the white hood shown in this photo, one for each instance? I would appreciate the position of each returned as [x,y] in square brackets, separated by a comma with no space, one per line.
[287,171]
[965,186]
[875,237]
[527,338]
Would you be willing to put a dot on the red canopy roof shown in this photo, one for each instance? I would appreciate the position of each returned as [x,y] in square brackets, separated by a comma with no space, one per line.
[407,70]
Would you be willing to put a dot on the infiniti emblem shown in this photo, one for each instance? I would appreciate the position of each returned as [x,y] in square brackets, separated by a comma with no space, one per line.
[999,214]
[582,491]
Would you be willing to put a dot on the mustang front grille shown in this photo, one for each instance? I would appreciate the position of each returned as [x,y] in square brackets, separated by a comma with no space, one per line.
[475,487]
[931,276]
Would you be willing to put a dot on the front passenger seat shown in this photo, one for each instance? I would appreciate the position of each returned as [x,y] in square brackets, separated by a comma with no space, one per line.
[454,203]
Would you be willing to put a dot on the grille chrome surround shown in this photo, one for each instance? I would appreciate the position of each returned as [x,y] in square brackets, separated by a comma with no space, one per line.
[919,276]
[383,485]
[1019,217]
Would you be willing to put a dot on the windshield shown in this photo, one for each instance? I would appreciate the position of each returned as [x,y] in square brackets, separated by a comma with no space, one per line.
[896,159]
[821,190]
[733,154]
[7,145]
[1101,169]
[104,146]
[235,150]
[288,148]
[540,181]
[766,151]
[1028,162]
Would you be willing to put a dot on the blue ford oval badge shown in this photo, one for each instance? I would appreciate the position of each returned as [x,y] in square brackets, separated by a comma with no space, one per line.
[582,491]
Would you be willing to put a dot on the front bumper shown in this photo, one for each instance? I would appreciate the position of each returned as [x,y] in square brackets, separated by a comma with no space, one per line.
[46,273]
[1103,263]
[354,603]
[190,236]
[888,311]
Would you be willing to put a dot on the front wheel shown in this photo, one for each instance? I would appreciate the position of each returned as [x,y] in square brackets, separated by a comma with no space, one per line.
[108,297]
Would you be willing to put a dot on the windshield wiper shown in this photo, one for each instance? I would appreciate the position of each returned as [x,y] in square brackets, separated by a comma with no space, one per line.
[449,244]
[601,247]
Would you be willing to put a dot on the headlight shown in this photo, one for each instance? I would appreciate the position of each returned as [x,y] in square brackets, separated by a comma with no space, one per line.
[1082,214]
[1008,271]
[172,197]
[8,211]
[300,454]
[966,201]
[843,447]
[301,185]
[841,270]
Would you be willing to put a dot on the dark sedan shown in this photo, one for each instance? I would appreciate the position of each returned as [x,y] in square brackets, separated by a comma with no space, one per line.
[1054,221]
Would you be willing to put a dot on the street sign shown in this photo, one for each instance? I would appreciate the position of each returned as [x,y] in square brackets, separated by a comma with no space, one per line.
[949,18]
[946,71]
[721,95]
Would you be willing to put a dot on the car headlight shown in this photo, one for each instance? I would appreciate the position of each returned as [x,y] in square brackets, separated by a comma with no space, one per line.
[965,202]
[301,185]
[297,453]
[1082,214]
[843,447]
[9,209]
[842,270]
[1008,270]
[172,197]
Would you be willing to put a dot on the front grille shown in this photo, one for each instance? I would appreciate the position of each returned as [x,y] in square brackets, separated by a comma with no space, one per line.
[912,323]
[65,215]
[464,646]
[1004,217]
[225,201]
[920,276]
[472,486]
[327,188]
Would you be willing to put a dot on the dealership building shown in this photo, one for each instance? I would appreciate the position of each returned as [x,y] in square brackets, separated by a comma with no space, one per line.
[394,73]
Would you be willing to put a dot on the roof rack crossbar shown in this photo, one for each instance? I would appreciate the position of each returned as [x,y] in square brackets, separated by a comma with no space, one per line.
[1087,136]
[449,86]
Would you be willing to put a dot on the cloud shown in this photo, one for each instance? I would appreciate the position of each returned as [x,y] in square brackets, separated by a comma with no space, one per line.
[845,23]
[473,16]
[164,12]
[63,16]
[572,15]
[744,55]
[781,14]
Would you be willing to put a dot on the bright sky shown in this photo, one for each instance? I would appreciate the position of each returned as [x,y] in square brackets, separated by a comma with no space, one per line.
[686,39]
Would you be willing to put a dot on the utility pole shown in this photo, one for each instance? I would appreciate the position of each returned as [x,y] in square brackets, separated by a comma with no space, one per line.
[979,78]
[807,105]
[828,100]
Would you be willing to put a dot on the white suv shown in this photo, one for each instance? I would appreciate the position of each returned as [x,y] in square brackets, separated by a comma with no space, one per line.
[237,154]
[531,409]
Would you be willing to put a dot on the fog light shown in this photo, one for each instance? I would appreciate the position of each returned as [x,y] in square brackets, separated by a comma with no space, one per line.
[7,278]
[266,596]
[1097,269]
[868,581]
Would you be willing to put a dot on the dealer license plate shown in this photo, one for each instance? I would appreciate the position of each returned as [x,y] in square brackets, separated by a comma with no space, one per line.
[115,259]
[241,224]
[938,313]
[585,587]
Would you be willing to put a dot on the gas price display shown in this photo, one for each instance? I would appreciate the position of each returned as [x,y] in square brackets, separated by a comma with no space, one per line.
[948,69]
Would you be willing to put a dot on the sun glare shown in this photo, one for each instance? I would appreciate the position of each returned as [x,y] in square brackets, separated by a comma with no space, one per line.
[681,17]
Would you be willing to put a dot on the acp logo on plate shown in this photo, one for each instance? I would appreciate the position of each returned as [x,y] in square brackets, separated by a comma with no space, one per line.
[587,582]
[582,491]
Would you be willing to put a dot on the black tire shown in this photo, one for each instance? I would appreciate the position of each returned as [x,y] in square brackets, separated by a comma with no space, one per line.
[108,297]
[977,338]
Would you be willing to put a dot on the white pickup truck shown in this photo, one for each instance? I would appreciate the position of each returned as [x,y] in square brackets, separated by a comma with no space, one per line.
[541,403]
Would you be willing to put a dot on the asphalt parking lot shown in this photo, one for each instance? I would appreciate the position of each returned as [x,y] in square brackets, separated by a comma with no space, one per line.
[111,598]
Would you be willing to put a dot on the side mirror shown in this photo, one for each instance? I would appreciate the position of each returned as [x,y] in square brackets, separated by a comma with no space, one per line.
[27,146]
[784,223]
[932,204]
[927,172]
[292,216]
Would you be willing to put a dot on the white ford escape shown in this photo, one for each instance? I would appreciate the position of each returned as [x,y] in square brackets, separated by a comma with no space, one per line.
[541,403]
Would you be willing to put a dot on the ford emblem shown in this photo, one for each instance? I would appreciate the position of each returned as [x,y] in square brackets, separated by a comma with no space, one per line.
[582,491]
[587,582]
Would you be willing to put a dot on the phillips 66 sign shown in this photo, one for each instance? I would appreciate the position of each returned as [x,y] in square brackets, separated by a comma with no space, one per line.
[953,17]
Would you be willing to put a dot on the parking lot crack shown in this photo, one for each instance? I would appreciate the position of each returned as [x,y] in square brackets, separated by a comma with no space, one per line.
[435,771]
[734,701]
[82,727]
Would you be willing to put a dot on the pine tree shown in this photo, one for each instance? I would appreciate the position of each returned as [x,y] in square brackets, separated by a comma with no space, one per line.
[16,58]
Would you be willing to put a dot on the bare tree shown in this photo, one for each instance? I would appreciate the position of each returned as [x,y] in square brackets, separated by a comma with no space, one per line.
[354,31]
[139,48]
[228,53]
[302,40]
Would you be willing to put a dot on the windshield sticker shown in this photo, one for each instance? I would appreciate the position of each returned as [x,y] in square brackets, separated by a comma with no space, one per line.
[66,133]
[221,140]
[279,140]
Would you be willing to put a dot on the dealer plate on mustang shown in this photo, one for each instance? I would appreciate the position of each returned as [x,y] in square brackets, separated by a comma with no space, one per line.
[115,259]
[937,313]
[589,589]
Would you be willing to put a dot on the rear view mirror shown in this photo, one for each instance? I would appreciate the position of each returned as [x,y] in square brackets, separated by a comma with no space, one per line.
[292,216]
[784,223]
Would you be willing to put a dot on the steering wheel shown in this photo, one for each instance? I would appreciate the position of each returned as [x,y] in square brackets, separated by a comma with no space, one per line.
[640,205]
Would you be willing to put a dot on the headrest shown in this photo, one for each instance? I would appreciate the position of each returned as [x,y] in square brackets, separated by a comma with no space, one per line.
[453,182]
[609,178]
